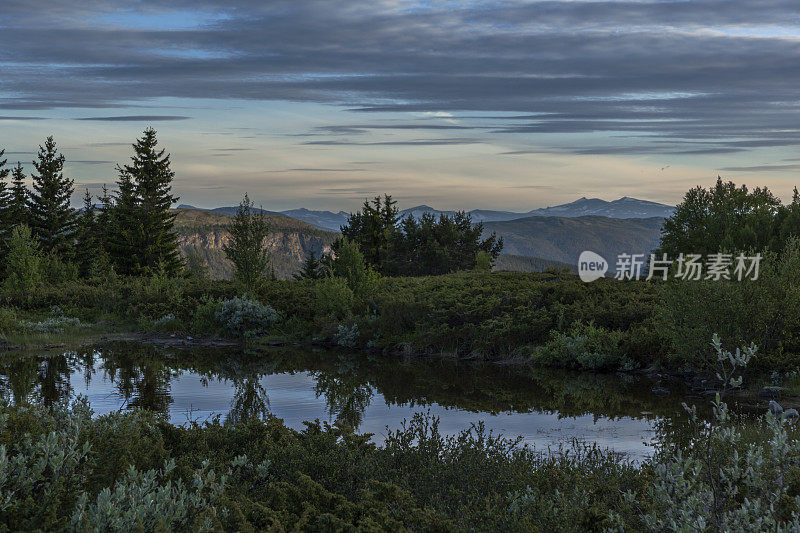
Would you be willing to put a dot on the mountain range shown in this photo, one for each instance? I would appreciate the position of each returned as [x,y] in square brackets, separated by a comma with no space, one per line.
[531,243]
[622,208]
[564,238]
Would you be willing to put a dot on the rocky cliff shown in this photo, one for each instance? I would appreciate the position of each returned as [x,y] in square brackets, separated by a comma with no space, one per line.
[201,236]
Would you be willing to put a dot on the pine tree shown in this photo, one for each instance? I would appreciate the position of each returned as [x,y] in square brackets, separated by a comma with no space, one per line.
[246,248]
[312,268]
[6,222]
[124,227]
[52,219]
[151,174]
[103,218]
[18,202]
[87,243]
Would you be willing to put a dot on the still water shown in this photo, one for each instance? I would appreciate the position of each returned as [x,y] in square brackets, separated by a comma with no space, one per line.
[545,408]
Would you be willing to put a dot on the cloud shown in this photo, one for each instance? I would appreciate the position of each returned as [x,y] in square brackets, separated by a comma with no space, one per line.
[357,129]
[684,71]
[413,142]
[761,168]
[137,118]
[319,170]
[106,144]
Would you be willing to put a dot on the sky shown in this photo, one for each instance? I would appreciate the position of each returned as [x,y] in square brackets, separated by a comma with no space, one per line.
[508,104]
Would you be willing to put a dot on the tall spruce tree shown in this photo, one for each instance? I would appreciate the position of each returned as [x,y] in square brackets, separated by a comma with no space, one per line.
[52,219]
[312,268]
[103,218]
[124,234]
[87,243]
[6,222]
[152,177]
[18,201]
[246,248]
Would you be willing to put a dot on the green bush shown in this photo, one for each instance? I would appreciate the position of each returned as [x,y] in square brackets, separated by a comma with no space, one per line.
[334,299]
[58,271]
[765,311]
[40,474]
[585,347]
[347,336]
[8,321]
[351,266]
[24,262]
[205,317]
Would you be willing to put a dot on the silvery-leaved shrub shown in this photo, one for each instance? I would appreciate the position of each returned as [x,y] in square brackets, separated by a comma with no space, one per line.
[148,501]
[55,324]
[347,336]
[38,474]
[245,318]
[724,481]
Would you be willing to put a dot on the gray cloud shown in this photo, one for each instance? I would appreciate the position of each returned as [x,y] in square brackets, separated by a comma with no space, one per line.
[319,170]
[137,118]
[106,144]
[413,142]
[761,168]
[680,71]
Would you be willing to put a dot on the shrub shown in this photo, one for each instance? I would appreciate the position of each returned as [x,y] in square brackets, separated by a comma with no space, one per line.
[57,322]
[58,271]
[167,323]
[8,321]
[40,474]
[334,298]
[245,318]
[765,311]
[723,480]
[483,261]
[205,317]
[147,501]
[347,336]
[50,325]
[584,347]
[24,262]
[350,265]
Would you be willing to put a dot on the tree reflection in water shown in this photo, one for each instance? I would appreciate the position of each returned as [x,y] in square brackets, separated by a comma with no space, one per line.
[347,395]
[142,376]
[250,400]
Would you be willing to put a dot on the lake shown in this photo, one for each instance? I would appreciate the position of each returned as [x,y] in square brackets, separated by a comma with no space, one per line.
[546,408]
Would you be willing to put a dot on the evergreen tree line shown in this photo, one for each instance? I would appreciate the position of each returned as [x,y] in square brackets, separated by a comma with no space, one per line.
[407,246]
[130,231]
[730,219]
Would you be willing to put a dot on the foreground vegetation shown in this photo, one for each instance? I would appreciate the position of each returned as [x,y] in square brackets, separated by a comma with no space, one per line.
[63,469]
[129,471]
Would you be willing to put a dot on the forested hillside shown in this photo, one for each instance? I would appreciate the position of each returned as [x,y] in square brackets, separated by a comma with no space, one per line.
[563,239]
